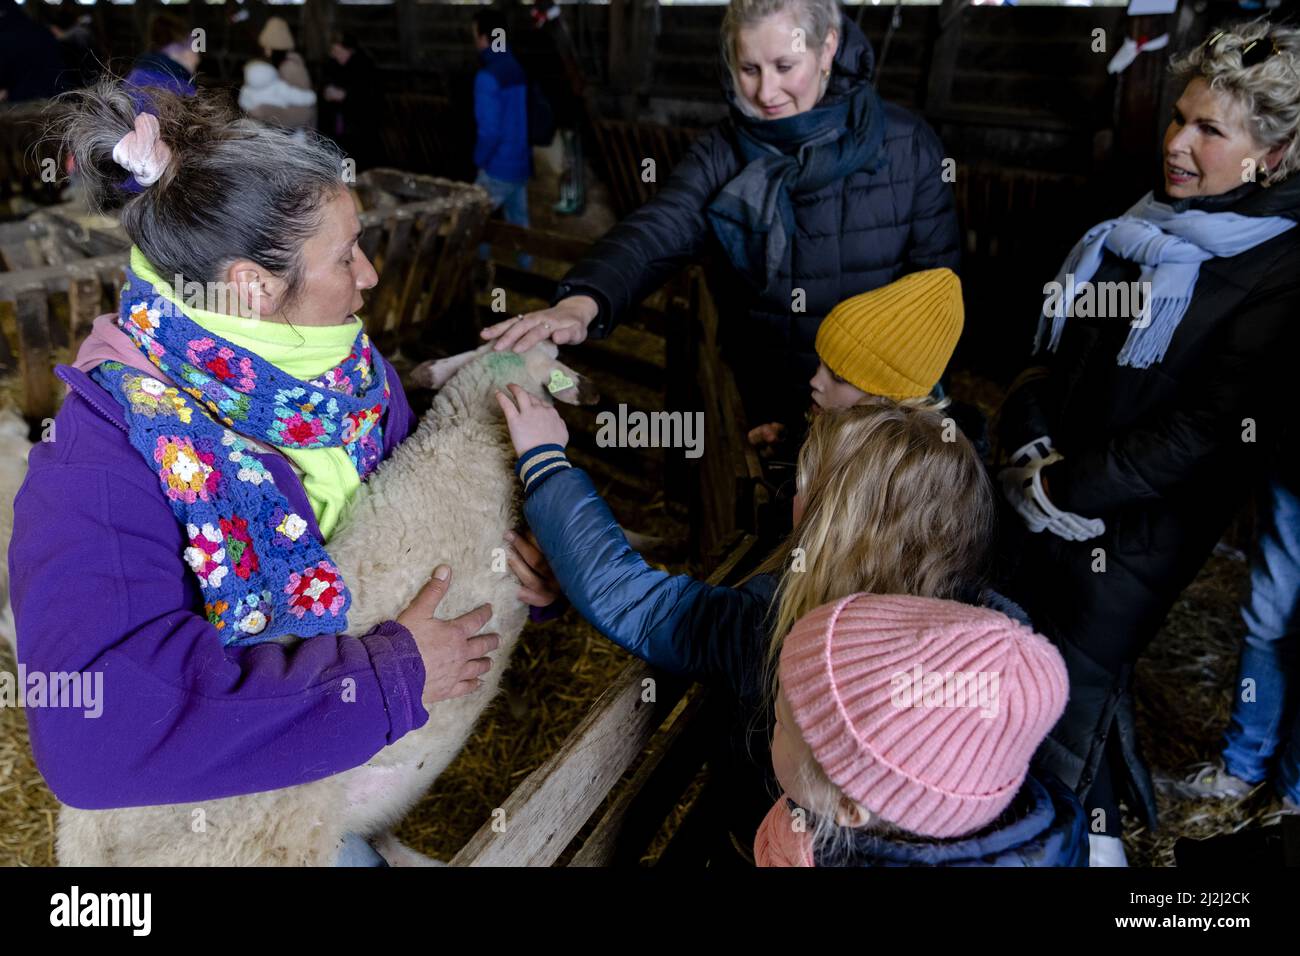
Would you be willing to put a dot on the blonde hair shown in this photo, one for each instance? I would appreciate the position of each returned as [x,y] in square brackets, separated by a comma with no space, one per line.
[1268,91]
[895,501]
[817,18]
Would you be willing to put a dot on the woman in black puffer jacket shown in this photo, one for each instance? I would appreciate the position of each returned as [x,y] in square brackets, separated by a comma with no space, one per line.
[1134,445]
[788,234]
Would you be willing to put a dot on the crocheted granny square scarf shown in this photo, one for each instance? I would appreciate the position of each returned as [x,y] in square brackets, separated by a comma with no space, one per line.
[262,573]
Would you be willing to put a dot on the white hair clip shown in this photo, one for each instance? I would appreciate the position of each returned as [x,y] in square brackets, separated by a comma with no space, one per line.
[142,151]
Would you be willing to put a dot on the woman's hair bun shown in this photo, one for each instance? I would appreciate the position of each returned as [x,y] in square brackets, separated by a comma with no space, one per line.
[91,122]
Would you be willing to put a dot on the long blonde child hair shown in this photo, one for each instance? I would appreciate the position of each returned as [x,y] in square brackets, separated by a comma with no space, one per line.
[895,501]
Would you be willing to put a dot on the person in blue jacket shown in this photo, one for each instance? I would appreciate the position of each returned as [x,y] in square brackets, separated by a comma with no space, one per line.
[502,151]
[884,504]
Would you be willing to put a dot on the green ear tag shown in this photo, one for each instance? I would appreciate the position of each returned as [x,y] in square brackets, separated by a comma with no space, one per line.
[559,382]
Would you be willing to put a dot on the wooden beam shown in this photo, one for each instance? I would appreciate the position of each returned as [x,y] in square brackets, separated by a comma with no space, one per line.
[546,811]
[55,277]
[943,57]
[632,820]
[553,803]
[408,31]
[35,352]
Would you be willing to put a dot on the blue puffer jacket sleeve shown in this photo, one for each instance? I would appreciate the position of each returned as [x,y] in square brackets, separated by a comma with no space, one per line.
[716,635]
[487,115]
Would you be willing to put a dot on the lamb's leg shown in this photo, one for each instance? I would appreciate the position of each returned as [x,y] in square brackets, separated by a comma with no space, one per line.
[398,853]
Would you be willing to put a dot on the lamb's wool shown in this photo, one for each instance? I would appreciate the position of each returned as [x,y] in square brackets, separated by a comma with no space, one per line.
[447,494]
[14,447]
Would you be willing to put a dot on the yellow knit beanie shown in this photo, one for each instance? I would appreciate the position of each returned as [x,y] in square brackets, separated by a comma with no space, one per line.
[895,341]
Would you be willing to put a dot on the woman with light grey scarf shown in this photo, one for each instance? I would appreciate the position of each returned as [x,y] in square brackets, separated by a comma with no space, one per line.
[1130,448]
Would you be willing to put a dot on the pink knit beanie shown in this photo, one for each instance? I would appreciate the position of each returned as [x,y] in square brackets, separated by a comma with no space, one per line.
[924,711]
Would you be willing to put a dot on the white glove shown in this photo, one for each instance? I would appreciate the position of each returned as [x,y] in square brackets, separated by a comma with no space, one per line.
[1022,484]
[1019,478]
[1074,527]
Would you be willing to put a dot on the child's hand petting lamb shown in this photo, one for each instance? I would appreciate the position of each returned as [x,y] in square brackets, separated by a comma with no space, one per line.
[454,653]
[525,559]
[531,422]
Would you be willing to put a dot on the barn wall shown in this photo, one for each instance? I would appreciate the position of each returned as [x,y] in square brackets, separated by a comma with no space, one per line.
[1044,140]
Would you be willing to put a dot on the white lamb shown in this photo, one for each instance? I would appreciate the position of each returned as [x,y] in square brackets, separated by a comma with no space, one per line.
[446,495]
[14,446]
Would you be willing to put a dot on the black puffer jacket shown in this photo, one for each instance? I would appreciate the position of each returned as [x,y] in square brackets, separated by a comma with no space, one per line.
[1164,456]
[853,235]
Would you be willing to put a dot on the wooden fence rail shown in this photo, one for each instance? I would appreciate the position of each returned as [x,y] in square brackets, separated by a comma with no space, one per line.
[553,803]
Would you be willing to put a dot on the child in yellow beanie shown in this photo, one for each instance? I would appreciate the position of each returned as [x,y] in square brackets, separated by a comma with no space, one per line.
[894,342]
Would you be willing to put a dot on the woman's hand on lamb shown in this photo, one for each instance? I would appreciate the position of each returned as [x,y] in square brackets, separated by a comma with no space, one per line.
[539,588]
[531,421]
[454,653]
[564,323]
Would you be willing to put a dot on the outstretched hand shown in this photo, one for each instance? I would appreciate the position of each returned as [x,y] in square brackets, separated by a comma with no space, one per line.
[564,323]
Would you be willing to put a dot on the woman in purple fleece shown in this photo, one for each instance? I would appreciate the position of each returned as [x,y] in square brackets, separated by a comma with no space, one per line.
[174,524]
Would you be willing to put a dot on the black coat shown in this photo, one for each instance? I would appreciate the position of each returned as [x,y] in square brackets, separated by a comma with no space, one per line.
[1159,455]
[853,235]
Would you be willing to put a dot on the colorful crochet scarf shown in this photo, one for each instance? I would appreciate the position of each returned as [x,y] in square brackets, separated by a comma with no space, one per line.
[262,573]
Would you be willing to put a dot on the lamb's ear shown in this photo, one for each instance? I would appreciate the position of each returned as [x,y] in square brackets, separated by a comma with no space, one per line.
[566,385]
[435,373]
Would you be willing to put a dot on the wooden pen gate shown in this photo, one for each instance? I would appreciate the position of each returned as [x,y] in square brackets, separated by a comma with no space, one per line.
[624,769]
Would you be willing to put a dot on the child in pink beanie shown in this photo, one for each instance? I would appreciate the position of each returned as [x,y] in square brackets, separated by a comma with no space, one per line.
[904,732]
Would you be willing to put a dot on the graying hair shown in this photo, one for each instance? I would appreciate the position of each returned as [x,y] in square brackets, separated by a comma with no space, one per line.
[234,189]
[1269,91]
[815,17]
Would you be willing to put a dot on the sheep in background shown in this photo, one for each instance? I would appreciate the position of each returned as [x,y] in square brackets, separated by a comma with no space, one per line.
[446,495]
[14,446]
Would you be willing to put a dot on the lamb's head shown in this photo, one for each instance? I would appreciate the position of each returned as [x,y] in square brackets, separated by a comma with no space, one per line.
[469,381]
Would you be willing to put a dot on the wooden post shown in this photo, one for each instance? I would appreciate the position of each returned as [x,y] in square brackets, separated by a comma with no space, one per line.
[1144,99]
[35,353]
[618,21]
[317,22]
[943,56]
[85,296]
[142,11]
[644,36]
[408,32]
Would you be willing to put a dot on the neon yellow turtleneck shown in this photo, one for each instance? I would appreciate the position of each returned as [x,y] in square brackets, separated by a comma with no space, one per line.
[328,475]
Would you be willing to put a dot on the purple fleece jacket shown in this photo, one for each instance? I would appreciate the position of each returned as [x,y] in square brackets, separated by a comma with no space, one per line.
[98,584]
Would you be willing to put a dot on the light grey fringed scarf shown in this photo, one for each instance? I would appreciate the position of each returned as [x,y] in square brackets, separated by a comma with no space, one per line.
[1170,247]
